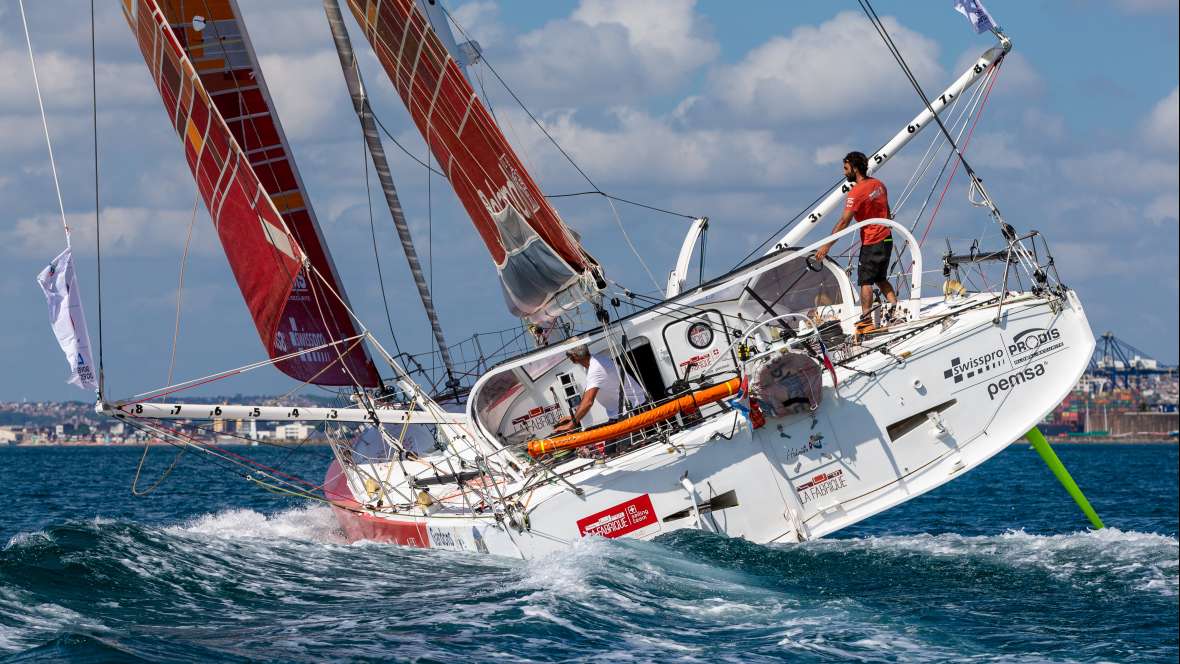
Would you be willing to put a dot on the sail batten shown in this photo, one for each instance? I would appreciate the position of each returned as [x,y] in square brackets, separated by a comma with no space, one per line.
[201,61]
[543,269]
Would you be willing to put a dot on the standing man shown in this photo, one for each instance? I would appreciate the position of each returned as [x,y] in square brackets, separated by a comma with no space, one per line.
[868,199]
[602,386]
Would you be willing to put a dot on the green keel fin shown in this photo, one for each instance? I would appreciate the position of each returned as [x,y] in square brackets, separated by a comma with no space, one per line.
[1050,458]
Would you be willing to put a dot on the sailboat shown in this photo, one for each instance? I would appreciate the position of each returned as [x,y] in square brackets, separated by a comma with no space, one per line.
[765,415]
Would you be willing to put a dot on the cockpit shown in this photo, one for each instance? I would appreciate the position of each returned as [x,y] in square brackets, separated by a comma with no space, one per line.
[675,348]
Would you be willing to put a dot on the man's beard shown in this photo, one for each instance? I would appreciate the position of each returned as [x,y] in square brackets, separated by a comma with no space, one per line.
[851,177]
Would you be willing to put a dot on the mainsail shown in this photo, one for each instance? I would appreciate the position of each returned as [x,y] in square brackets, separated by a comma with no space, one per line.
[200,58]
[542,266]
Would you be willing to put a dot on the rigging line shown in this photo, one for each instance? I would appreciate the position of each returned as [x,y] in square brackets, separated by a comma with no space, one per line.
[951,177]
[936,143]
[389,134]
[534,119]
[622,200]
[871,13]
[631,245]
[922,94]
[45,123]
[97,225]
[289,225]
[788,224]
[373,235]
[968,112]
[194,382]
[180,285]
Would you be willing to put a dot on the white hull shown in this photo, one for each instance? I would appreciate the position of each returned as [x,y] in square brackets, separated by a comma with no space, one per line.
[799,477]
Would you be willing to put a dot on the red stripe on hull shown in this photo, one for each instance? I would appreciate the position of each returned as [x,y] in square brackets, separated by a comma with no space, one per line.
[358,525]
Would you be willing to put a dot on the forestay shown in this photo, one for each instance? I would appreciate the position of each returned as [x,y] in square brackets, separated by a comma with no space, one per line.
[200,59]
[543,268]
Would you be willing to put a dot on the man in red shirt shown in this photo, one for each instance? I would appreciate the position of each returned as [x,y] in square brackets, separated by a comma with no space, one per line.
[868,199]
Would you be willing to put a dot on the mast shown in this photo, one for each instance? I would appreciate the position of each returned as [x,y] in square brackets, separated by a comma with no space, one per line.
[795,235]
[364,114]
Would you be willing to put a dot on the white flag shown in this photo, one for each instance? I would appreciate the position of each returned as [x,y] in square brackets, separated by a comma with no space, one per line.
[975,12]
[69,323]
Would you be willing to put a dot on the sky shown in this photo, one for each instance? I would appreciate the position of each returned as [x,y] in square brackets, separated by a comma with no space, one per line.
[742,116]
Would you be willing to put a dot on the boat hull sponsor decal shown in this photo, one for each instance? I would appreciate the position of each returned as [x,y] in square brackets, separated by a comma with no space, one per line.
[973,367]
[1014,380]
[1033,343]
[622,519]
[821,485]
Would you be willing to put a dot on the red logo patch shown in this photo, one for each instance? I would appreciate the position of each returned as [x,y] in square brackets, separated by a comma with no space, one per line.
[620,519]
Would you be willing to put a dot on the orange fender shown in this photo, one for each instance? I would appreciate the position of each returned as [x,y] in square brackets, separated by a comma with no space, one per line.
[686,404]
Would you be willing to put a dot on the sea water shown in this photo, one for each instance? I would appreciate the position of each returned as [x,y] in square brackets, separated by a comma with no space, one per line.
[996,566]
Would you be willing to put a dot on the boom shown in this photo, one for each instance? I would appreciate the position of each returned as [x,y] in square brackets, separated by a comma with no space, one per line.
[990,57]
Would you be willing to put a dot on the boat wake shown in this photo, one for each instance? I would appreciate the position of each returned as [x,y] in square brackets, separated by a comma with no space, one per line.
[240,584]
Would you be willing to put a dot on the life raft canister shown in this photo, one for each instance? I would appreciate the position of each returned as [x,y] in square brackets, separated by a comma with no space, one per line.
[686,404]
[787,384]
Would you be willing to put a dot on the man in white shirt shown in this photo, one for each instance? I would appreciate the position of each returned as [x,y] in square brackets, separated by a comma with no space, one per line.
[602,386]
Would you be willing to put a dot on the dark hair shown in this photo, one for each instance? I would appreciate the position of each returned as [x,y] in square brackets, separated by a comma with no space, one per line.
[858,161]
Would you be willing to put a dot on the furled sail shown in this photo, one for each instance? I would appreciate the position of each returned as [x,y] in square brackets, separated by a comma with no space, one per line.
[200,58]
[542,266]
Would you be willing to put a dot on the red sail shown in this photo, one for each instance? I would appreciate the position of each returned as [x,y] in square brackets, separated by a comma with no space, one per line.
[199,56]
[543,268]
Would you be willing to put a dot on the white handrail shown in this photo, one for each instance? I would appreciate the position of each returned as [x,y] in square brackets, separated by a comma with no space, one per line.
[911,243]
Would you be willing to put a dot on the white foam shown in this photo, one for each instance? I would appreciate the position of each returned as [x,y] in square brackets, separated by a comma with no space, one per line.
[32,621]
[23,538]
[1148,561]
[314,523]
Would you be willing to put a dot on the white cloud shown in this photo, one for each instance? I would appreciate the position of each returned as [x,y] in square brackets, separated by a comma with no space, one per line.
[1122,171]
[609,50]
[479,20]
[65,82]
[836,70]
[1002,150]
[126,231]
[830,155]
[308,91]
[1161,128]
[647,150]
[1162,208]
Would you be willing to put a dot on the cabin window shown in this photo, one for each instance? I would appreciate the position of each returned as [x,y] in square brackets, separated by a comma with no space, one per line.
[793,287]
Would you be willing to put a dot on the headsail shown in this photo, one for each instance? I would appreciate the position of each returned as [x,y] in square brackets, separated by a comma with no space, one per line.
[200,59]
[543,267]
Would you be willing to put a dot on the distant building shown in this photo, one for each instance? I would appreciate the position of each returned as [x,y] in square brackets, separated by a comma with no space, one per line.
[293,431]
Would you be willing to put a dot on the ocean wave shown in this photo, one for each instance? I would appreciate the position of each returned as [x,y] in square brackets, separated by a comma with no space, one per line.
[253,578]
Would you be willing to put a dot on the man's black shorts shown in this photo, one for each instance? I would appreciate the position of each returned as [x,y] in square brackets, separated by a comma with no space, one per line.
[874,263]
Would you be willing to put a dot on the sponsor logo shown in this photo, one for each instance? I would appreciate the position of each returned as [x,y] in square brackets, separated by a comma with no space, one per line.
[703,360]
[514,193]
[700,335]
[1012,380]
[961,369]
[443,539]
[814,442]
[621,519]
[821,485]
[1034,342]
[537,418]
[287,341]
